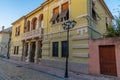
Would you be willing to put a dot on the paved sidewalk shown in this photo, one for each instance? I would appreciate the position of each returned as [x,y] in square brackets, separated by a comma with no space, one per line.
[58,72]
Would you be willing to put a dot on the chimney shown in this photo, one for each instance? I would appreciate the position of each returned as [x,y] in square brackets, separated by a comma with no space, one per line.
[2,28]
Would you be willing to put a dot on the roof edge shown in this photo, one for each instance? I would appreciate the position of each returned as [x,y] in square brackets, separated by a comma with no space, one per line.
[106,7]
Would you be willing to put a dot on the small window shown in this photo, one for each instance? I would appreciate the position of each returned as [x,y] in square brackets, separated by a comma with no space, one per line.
[55,49]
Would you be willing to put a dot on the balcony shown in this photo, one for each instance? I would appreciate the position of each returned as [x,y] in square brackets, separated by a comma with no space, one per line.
[32,34]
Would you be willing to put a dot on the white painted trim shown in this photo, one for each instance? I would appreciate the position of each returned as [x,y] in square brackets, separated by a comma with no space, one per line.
[82,16]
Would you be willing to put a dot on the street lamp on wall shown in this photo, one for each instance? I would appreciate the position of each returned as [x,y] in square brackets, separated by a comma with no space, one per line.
[67,26]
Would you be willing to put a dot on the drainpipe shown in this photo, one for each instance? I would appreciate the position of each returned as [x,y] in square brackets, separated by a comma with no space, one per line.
[8,53]
[22,57]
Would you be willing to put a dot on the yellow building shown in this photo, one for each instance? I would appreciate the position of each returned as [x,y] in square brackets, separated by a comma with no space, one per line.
[40,37]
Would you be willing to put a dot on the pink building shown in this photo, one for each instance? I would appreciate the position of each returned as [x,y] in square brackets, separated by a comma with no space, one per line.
[104,56]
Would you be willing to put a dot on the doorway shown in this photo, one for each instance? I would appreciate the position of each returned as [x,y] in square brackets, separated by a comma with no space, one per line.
[107,60]
[33,48]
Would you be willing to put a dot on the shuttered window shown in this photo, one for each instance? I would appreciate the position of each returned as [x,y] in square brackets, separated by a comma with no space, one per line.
[65,6]
[55,15]
[56,10]
[64,12]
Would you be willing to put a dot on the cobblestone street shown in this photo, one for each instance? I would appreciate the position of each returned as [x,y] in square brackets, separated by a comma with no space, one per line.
[17,70]
[14,72]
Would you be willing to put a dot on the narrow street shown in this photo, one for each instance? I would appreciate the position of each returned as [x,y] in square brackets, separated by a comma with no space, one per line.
[14,72]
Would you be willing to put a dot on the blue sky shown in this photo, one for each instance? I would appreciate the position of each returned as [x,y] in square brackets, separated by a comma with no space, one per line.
[11,10]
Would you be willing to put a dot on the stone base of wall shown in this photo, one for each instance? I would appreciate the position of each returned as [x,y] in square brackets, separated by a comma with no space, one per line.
[16,58]
[73,66]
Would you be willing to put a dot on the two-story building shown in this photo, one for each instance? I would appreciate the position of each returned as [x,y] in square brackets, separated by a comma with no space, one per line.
[5,35]
[40,37]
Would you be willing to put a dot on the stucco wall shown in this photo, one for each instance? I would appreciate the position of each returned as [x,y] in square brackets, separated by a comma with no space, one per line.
[94,65]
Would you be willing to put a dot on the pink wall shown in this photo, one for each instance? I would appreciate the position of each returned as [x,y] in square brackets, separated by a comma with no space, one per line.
[94,66]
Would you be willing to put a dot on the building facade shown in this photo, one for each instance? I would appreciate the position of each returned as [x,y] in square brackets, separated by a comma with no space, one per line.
[5,35]
[40,37]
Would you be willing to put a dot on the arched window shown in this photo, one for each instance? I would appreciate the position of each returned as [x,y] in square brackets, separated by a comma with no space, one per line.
[41,20]
[25,27]
[34,23]
[28,25]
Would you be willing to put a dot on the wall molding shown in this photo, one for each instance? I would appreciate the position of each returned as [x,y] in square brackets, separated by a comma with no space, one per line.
[45,54]
[75,28]
[80,55]
[80,46]
[45,42]
[76,38]
[45,48]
